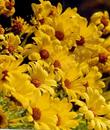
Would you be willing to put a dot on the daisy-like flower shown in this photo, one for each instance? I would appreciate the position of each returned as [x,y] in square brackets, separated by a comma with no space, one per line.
[93,79]
[7,7]
[60,58]
[95,111]
[11,43]
[40,79]
[72,81]
[65,116]
[21,92]
[43,42]
[43,114]
[20,26]
[8,65]
[45,12]
[66,27]
[101,19]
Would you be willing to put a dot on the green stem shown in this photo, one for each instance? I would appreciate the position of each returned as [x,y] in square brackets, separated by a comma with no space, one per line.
[25,40]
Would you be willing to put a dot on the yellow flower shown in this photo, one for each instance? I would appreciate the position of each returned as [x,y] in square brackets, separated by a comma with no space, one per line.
[66,27]
[8,65]
[93,79]
[42,113]
[7,7]
[95,109]
[20,26]
[19,86]
[72,81]
[101,19]
[65,117]
[40,78]
[12,42]
[45,12]
[60,58]
[43,43]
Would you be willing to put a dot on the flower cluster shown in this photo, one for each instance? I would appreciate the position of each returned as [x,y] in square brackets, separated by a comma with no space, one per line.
[52,69]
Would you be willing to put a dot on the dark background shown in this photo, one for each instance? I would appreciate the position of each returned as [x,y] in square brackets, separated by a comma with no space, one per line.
[85,8]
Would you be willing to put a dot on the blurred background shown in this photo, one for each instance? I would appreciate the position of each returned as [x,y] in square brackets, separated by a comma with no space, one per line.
[85,7]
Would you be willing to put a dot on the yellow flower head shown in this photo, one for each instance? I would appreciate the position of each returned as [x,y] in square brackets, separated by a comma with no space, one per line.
[40,78]
[42,113]
[7,7]
[95,109]
[65,117]
[20,26]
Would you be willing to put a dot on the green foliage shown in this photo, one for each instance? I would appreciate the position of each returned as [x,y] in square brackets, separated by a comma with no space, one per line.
[16,114]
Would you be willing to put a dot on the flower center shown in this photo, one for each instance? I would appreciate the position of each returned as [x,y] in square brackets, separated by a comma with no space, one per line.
[57,64]
[72,49]
[36,114]
[9,5]
[36,82]
[102,57]
[104,21]
[81,41]
[67,83]
[59,35]
[11,48]
[42,21]
[5,73]
[44,54]
[59,120]
[17,27]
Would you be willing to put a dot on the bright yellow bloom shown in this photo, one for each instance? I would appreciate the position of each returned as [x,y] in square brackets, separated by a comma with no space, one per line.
[93,79]
[8,65]
[40,79]
[66,27]
[43,115]
[12,43]
[45,12]
[20,26]
[101,19]
[95,110]
[65,117]
[19,86]
[7,7]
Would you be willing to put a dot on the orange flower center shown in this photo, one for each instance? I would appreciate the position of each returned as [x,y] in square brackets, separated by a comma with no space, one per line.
[5,73]
[102,57]
[59,120]
[17,27]
[81,41]
[44,54]
[36,114]
[11,48]
[72,49]
[57,64]
[59,35]
[104,21]
[67,83]
[36,82]
[42,21]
